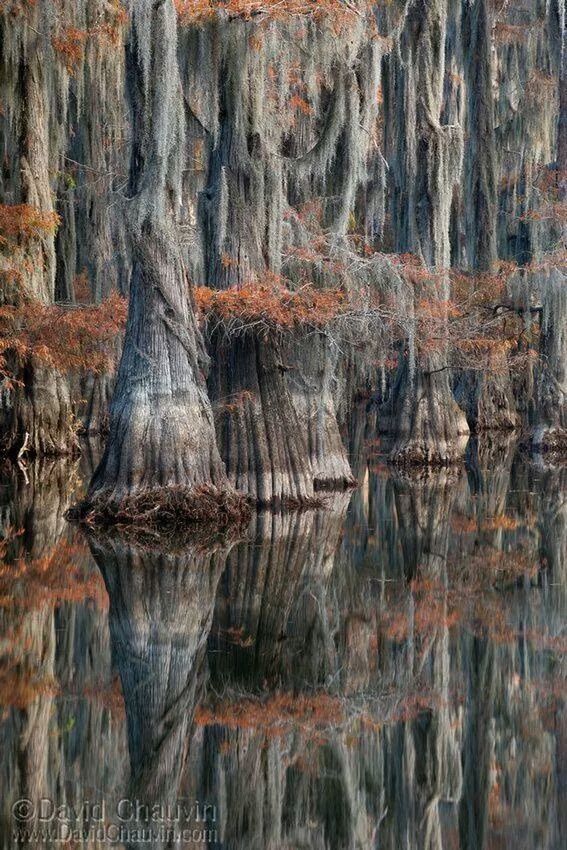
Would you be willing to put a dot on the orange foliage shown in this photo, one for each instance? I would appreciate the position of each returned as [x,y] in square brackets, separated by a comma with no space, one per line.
[277,715]
[19,688]
[58,576]
[236,401]
[27,586]
[64,338]
[431,612]
[17,7]
[336,11]
[505,33]
[69,44]
[298,104]
[21,223]
[111,29]
[108,694]
[272,305]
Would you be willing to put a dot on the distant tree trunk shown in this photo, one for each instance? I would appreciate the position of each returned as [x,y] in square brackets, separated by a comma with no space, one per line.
[260,435]
[486,396]
[38,413]
[426,163]
[161,424]
[550,433]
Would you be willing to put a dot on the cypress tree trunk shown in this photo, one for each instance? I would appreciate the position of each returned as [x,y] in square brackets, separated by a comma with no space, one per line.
[550,433]
[260,435]
[161,424]
[486,397]
[426,159]
[161,610]
[38,414]
[284,442]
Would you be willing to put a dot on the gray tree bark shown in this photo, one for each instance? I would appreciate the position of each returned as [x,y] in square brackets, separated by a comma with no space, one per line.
[161,424]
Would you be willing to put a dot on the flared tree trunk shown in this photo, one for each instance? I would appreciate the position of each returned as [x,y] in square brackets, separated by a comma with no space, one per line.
[161,609]
[161,423]
[259,433]
[264,424]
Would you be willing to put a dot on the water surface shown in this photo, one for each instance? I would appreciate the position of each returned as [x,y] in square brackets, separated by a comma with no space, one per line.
[386,672]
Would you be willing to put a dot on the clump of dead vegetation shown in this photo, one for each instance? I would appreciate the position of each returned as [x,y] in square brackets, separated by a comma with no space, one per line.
[165,509]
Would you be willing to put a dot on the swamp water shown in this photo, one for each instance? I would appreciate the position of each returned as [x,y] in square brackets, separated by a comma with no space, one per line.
[386,672]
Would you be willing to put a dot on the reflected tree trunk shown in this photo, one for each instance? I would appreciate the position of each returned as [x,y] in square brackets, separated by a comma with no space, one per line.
[161,609]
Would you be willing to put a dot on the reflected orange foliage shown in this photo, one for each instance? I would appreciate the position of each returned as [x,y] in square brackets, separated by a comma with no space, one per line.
[275,716]
[337,12]
[48,581]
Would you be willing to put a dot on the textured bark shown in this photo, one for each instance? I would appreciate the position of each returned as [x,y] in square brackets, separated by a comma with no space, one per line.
[550,433]
[38,414]
[429,139]
[311,370]
[261,440]
[262,444]
[255,171]
[426,161]
[551,427]
[486,397]
[161,609]
[161,424]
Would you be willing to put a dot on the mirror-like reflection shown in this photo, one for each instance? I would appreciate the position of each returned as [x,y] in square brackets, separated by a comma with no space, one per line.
[384,672]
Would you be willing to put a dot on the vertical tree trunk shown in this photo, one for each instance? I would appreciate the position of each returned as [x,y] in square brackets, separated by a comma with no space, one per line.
[161,610]
[285,442]
[550,433]
[486,397]
[426,162]
[38,413]
[161,424]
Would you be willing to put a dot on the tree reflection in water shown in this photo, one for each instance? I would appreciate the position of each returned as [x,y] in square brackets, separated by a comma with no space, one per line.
[388,672]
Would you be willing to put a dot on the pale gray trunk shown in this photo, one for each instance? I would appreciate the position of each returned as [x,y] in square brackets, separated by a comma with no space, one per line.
[161,424]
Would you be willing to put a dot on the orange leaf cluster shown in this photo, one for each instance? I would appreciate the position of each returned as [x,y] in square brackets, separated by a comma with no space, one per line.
[70,42]
[70,46]
[17,7]
[66,339]
[337,11]
[21,223]
[272,305]
[59,576]
[277,715]
[505,33]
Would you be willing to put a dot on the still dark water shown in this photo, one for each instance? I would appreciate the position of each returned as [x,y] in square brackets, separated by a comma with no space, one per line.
[388,672]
